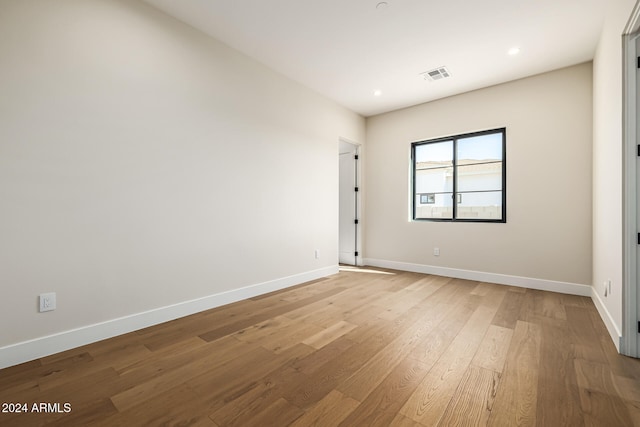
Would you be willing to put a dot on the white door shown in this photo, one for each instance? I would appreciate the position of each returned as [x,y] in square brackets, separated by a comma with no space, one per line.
[348,210]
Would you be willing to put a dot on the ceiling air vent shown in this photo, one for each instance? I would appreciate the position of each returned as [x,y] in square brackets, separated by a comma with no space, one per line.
[436,74]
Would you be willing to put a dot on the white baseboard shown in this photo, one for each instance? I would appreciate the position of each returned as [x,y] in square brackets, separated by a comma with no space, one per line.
[612,328]
[44,346]
[480,276]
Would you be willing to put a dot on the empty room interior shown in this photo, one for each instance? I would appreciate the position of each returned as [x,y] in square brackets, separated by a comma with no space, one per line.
[356,213]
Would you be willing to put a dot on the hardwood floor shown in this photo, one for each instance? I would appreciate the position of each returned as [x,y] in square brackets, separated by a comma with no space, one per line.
[361,348]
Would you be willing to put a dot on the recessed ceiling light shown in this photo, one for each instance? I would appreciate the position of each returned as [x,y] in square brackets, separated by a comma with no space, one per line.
[513,51]
[377,93]
[382,5]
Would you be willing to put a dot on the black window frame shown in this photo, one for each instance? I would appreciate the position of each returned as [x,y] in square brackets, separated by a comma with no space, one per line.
[455,139]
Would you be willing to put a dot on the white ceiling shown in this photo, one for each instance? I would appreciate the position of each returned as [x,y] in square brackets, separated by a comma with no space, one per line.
[347,49]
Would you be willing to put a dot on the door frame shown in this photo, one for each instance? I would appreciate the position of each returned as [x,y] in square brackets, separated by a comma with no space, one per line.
[359,196]
[629,344]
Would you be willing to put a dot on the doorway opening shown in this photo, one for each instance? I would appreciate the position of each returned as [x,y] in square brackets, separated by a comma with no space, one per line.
[349,235]
[630,342]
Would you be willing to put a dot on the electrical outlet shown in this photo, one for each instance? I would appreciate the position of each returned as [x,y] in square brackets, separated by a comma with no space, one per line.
[436,251]
[609,286]
[317,253]
[47,302]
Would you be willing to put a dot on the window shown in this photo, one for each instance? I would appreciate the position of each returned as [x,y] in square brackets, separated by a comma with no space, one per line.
[469,169]
[427,199]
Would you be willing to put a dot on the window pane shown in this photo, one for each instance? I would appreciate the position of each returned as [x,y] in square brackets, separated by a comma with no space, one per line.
[480,149]
[434,155]
[480,177]
[434,180]
[480,205]
[442,206]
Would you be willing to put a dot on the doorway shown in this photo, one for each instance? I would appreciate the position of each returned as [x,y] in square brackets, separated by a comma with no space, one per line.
[630,344]
[349,204]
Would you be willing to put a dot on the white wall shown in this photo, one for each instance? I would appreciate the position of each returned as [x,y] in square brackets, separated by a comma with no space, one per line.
[607,165]
[548,231]
[143,164]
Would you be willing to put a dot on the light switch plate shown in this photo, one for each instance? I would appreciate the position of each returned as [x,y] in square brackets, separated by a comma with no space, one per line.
[47,302]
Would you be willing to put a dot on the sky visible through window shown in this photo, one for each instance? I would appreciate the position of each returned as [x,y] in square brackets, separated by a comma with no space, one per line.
[468,148]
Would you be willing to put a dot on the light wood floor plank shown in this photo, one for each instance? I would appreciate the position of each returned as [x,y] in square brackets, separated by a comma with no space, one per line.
[558,398]
[281,413]
[318,359]
[251,402]
[429,402]
[382,405]
[472,401]
[330,411]
[402,421]
[509,310]
[329,335]
[229,381]
[599,396]
[492,352]
[516,398]
[582,334]
[362,382]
